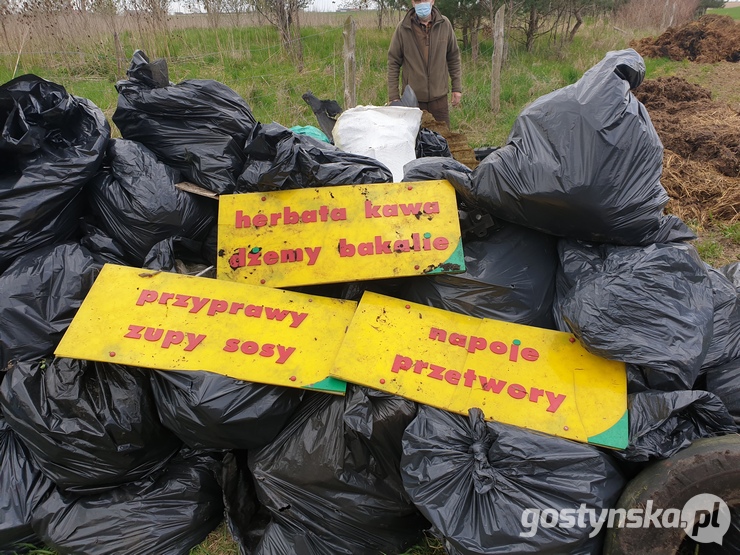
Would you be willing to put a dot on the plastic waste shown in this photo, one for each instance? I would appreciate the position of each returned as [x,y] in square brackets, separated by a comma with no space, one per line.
[279,159]
[663,423]
[51,144]
[347,497]
[198,126]
[89,426]
[41,292]
[650,306]
[486,485]
[169,512]
[582,162]
[724,382]
[509,276]
[386,133]
[23,486]
[211,411]
[137,203]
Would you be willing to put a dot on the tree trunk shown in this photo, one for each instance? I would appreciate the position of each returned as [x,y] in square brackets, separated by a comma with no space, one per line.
[579,22]
[498,57]
[532,27]
[350,96]
[474,44]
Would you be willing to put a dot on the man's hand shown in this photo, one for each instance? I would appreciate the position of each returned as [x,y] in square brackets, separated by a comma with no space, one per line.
[456,98]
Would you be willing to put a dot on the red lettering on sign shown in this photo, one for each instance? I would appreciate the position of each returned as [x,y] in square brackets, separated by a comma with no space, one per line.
[471,378]
[474,344]
[168,337]
[409,209]
[256,256]
[289,217]
[267,350]
[379,245]
[196,305]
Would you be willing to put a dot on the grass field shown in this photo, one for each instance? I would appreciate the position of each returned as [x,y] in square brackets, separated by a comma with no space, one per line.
[250,61]
[731,9]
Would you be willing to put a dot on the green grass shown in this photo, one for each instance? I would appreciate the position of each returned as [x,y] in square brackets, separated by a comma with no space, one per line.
[250,61]
[731,232]
[733,12]
[709,250]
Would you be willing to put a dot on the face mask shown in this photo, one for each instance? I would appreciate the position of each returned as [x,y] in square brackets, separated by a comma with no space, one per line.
[423,9]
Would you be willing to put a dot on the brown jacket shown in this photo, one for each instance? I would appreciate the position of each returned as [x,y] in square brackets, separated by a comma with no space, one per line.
[428,80]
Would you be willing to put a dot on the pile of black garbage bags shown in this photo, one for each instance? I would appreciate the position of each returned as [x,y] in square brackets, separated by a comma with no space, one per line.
[103,459]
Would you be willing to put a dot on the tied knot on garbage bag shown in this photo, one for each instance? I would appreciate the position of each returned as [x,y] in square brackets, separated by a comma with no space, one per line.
[484,477]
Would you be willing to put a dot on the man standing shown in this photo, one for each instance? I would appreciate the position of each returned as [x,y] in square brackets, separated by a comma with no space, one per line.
[424,51]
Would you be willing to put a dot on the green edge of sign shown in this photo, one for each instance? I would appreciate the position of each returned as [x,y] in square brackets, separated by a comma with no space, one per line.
[329,385]
[457,258]
[617,436]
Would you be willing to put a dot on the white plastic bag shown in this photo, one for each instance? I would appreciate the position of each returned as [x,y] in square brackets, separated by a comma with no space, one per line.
[385,133]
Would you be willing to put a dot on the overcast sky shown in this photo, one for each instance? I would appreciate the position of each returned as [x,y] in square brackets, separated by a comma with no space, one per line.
[324,5]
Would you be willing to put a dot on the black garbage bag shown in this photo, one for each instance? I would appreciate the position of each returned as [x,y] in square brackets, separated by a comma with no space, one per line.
[104,249]
[51,144]
[438,167]
[650,306]
[636,380]
[431,143]
[39,295]
[167,513]
[198,126]
[136,202]
[279,159]
[331,480]
[246,519]
[89,426]
[211,411]
[22,485]
[508,276]
[179,255]
[582,162]
[485,484]
[726,326]
[664,422]
[577,260]
[724,382]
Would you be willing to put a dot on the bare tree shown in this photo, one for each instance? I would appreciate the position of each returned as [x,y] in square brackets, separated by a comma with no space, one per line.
[237,8]
[383,7]
[284,16]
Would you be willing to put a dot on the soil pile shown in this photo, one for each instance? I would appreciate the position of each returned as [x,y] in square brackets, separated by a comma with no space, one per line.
[709,39]
[701,163]
[457,142]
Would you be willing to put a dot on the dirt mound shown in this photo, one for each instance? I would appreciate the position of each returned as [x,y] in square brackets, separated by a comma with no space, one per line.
[701,163]
[457,142]
[709,39]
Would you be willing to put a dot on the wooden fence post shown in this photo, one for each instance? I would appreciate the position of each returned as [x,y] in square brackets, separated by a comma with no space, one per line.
[119,55]
[350,96]
[497,58]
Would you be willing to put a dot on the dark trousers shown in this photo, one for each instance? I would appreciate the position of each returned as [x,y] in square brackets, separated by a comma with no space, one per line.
[439,108]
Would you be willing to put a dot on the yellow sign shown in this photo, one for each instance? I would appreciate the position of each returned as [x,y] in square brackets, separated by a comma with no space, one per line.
[176,322]
[339,234]
[521,375]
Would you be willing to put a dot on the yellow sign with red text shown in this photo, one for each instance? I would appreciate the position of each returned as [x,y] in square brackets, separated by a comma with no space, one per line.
[339,234]
[176,322]
[521,375]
